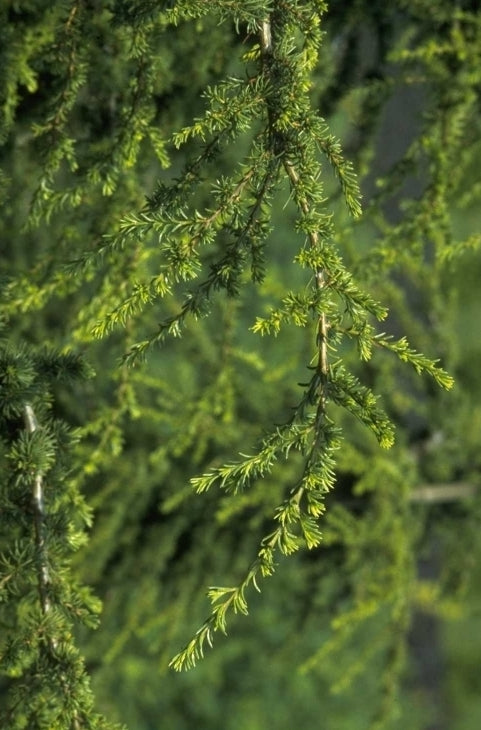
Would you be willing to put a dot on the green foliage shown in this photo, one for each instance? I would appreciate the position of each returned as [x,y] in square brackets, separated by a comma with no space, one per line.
[43,519]
[202,459]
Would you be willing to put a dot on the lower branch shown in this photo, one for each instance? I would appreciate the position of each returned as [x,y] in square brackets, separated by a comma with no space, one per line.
[432,493]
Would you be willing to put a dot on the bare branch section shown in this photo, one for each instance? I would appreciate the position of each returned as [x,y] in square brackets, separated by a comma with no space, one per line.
[43,574]
[266,37]
[434,493]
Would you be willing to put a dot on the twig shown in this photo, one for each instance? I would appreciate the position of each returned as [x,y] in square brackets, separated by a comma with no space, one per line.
[43,574]
[432,493]
[266,37]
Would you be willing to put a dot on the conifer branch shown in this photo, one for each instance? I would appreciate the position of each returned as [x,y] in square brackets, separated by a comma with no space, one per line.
[301,508]
[266,43]
[43,572]
[47,679]
[59,145]
[312,433]
[320,279]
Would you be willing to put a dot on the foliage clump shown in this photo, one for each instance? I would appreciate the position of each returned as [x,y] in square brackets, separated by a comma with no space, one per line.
[214,283]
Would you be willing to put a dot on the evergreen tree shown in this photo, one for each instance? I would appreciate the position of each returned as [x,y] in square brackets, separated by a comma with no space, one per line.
[177,207]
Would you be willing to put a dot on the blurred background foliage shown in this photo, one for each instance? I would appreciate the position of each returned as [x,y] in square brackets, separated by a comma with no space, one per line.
[379,626]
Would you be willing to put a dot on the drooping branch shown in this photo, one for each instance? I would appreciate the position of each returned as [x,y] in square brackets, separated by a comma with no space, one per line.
[295,519]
